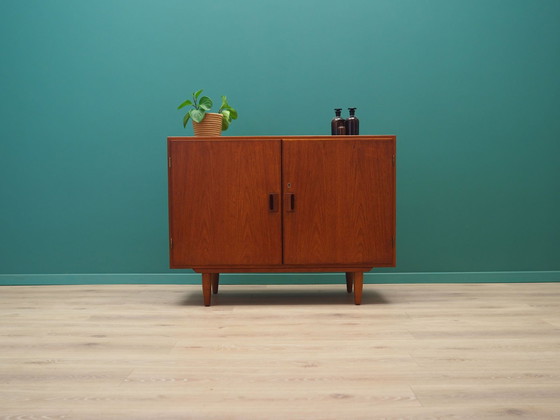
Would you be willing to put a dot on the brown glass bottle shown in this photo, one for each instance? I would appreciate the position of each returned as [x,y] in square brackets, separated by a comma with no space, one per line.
[337,122]
[352,123]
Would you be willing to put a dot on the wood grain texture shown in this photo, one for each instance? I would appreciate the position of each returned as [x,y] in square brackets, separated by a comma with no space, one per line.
[422,351]
[344,187]
[344,201]
[338,206]
[219,202]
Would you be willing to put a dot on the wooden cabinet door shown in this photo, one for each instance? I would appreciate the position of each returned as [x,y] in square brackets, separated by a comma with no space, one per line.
[224,202]
[339,201]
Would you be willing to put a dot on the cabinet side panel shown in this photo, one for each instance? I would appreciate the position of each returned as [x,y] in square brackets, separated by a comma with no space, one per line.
[344,201]
[220,202]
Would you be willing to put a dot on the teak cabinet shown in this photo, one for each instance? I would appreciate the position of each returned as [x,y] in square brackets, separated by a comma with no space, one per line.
[282,204]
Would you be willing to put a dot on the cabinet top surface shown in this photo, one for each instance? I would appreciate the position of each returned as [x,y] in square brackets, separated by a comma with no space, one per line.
[314,137]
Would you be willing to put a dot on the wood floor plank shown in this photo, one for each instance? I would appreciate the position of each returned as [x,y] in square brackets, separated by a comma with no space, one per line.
[478,351]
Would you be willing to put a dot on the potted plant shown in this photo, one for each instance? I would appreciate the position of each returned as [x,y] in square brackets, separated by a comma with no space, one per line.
[207,123]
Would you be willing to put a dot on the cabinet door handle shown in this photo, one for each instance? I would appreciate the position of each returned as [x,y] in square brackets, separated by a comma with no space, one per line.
[273,203]
[290,202]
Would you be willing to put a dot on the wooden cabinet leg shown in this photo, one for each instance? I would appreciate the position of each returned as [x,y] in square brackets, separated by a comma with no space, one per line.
[215,282]
[206,288]
[349,282]
[358,286]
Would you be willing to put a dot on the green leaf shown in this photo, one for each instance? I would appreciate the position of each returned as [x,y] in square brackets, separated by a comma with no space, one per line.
[186,119]
[232,113]
[226,115]
[224,102]
[187,102]
[197,94]
[205,103]
[197,114]
[225,124]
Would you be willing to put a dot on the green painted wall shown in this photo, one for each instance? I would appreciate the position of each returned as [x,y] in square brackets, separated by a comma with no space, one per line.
[89,93]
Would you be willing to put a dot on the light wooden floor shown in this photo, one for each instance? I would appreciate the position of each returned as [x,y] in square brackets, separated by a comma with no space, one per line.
[477,351]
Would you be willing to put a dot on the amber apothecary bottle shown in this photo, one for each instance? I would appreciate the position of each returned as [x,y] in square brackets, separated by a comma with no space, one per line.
[352,123]
[338,124]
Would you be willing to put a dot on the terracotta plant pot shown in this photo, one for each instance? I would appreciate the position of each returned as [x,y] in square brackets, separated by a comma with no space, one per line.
[211,125]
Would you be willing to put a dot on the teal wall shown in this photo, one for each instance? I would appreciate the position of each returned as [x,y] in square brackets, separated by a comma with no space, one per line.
[89,91]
